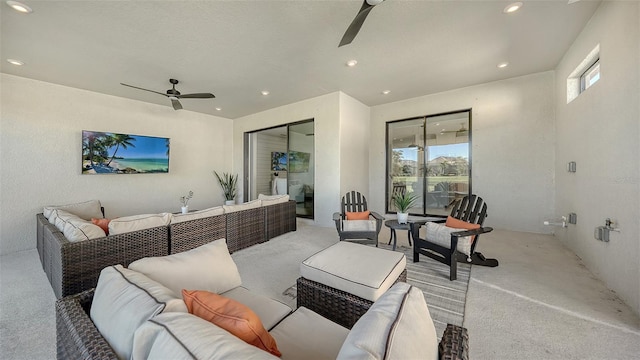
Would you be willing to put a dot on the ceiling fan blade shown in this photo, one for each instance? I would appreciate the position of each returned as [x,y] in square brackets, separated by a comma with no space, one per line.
[139,88]
[196,96]
[176,104]
[356,24]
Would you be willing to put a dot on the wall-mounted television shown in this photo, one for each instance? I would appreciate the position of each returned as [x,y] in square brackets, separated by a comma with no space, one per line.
[111,153]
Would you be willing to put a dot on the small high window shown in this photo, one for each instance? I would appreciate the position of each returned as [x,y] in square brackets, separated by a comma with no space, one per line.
[590,77]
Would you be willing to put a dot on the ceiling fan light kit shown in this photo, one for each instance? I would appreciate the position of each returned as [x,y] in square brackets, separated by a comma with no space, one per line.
[175,95]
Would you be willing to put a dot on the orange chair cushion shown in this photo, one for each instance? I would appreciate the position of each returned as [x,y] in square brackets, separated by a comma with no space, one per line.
[102,223]
[459,224]
[362,215]
[232,316]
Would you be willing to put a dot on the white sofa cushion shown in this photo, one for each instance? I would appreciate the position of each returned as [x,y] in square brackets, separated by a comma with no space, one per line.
[307,335]
[245,206]
[60,218]
[268,310]
[364,271]
[397,326]
[185,336]
[441,235]
[125,299]
[86,210]
[273,199]
[138,222]
[207,267]
[200,214]
[80,230]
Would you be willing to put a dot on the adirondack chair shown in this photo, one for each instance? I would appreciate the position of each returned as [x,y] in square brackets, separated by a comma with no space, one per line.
[362,231]
[471,209]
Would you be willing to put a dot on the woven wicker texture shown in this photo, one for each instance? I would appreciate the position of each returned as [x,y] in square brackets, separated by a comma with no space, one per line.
[336,305]
[454,344]
[245,228]
[77,337]
[72,267]
[280,218]
[191,234]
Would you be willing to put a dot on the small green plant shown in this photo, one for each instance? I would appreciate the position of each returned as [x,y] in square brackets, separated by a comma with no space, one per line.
[185,199]
[228,183]
[404,201]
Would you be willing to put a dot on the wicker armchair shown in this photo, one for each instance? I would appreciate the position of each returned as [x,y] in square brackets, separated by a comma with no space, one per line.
[353,201]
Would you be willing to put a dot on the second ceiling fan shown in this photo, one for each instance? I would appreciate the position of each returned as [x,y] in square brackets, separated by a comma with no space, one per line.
[357,22]
[174,95]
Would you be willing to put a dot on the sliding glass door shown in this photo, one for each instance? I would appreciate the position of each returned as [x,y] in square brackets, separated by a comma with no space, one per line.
[430,157]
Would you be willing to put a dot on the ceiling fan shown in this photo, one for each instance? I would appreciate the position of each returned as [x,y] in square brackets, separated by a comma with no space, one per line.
[357,22]
[174,95]
[460,132]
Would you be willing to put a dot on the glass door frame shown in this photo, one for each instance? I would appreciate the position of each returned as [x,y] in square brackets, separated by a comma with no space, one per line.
[424,176]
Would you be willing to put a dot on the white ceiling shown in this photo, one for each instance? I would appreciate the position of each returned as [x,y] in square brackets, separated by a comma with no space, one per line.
[236,49]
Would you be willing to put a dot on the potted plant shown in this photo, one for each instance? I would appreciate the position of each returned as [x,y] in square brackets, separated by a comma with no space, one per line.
[228,183]
[185,202]
[403,202]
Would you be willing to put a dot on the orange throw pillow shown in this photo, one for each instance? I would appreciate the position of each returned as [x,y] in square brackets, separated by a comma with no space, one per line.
[103,223]
[232,316]
[363,215]
[459,224]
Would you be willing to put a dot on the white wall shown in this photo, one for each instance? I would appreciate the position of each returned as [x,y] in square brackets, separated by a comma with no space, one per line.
[40,151]
[325,111]
[354,145]
[600,131]
[512,147]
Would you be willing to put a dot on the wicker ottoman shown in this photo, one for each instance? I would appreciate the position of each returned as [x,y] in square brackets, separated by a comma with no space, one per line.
[342,281]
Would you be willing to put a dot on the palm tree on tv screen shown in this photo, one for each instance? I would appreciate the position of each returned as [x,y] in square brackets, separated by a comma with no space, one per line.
[119,140]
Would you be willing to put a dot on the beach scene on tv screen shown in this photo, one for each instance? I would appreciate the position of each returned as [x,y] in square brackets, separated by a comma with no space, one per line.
[111,153]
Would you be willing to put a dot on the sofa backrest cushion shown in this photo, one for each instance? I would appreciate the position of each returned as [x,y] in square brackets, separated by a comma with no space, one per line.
[185,336]
[244,206]
[80,230]
[200,214]
[208,267]
[273,199]
[232,316]
[86,210]
[138,222]
[124,300]
[397,326]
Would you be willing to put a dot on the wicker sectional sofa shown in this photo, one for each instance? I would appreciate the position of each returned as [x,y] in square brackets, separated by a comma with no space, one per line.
[134,313]
[73,267]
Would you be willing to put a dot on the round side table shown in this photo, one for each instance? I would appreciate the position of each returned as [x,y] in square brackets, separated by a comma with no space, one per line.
[394,225]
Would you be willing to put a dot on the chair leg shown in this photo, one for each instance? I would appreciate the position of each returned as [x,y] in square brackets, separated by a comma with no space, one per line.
[453,268]
[416,256]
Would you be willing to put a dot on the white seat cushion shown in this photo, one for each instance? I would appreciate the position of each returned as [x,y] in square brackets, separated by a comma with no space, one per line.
[441,235]
[186,336]
[208,267]
[269,311]
[273,199]
[307,335]
[138,222]
[200,214]
[361,270]
[397,326]
[123,300]
[358,225]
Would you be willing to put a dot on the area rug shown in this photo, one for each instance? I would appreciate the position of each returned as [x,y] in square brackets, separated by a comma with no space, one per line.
[445,299]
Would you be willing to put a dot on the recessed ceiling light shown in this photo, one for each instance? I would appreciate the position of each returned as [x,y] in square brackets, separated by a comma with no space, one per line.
[512,7]
[218,109]
[503,65]
[20,7]
[15,62]
[386,92]
[265,92]
[352,63]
